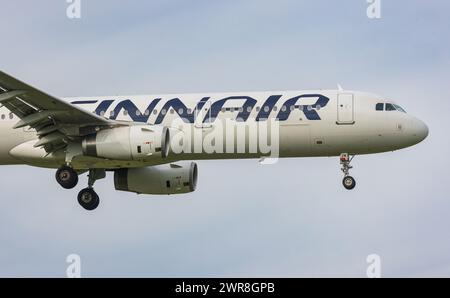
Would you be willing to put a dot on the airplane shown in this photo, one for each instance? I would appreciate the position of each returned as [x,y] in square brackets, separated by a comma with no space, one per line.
[134,136]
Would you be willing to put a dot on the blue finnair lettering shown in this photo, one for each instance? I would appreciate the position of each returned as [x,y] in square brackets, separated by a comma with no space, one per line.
[267,107]
[103,106]
[244,112]
[84,102]
[181,110]
[135,114]
[189,116]
[309,110]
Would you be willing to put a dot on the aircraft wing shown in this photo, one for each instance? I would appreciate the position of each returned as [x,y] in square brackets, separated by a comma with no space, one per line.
[55,120]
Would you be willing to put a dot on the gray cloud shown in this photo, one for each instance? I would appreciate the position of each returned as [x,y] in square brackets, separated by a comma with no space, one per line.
[289,219]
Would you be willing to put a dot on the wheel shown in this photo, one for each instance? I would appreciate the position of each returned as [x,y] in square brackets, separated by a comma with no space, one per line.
[88,199]
[67,177]
[349,183]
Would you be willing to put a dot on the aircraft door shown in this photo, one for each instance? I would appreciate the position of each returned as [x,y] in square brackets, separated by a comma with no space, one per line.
[345,109]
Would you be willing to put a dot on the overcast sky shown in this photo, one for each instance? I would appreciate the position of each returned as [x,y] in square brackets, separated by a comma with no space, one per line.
[292,219]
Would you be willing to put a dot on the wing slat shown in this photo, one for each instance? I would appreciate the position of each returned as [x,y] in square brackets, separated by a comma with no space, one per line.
[38,100]
[59,121]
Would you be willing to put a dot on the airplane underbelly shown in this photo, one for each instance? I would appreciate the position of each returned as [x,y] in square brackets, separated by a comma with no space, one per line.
[295,140]
[10,138]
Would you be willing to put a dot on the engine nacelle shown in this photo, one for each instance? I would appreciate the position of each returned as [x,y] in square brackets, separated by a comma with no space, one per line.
[158,180]
[139,142]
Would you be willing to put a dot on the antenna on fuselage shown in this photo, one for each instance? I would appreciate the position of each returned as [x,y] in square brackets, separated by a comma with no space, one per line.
[340,87]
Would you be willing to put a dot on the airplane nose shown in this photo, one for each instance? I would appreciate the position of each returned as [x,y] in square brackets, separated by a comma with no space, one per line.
[420,131]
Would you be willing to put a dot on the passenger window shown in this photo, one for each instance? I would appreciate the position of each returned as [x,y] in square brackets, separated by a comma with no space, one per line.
[379,107]
[11,115]
[3,116]
[390,107]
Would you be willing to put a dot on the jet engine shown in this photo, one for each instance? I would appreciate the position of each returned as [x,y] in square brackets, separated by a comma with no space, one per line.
[158,180]
[139,142]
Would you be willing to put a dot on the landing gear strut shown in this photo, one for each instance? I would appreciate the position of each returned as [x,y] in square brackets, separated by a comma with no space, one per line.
[67,177]
[88,198]
[348,181]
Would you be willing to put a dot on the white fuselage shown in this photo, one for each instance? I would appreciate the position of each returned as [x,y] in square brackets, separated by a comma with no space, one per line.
[311,123]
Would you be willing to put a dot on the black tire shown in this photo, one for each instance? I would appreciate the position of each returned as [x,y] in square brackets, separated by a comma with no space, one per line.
[349,182]
[67,177]
[88,199]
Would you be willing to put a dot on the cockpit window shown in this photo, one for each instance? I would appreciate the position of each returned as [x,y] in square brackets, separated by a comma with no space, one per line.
[390,107]
[399,108]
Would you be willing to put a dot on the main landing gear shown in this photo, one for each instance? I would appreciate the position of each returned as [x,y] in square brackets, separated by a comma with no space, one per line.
[348,181]
[88,198]
[67,177]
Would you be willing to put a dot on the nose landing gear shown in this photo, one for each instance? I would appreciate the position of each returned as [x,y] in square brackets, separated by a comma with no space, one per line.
[349,182]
